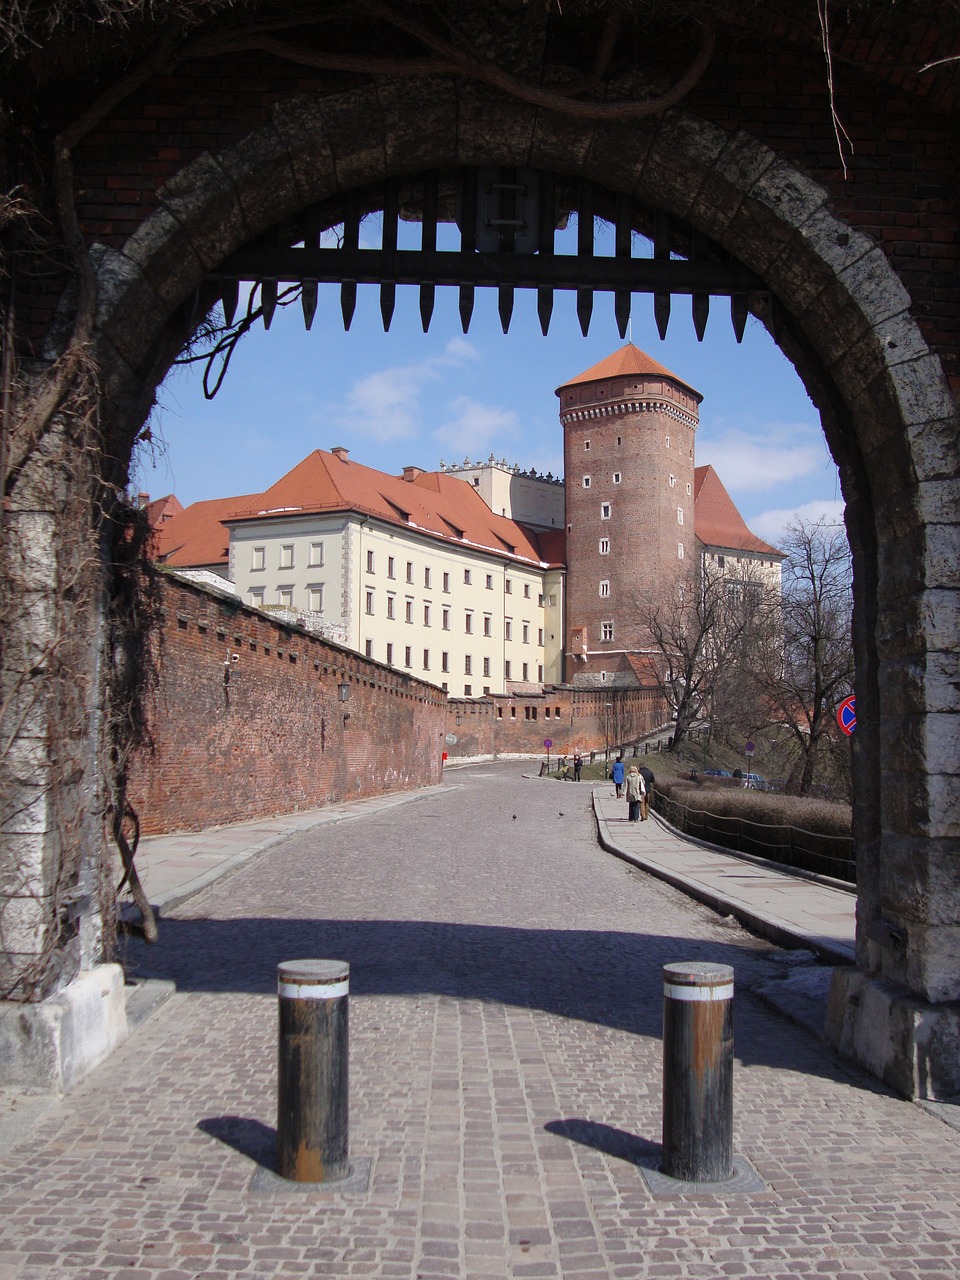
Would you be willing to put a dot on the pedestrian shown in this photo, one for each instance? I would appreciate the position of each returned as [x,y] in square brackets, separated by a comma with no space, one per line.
[646,773]
[577,766]
[635,792]
[616,773]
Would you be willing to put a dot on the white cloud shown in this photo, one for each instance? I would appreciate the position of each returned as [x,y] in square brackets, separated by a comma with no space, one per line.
[385,405]
[770,525]
[473,427]
[775,455]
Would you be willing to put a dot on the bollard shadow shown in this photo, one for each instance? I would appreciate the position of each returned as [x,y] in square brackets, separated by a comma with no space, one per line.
[606,1139]
[612,978]
[252,1138]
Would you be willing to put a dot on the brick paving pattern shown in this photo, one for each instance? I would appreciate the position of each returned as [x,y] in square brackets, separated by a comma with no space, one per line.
[505,1017]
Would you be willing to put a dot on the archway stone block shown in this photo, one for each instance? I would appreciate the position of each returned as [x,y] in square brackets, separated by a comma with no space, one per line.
[880,294]
[157,247]
[302,125]
[202,199]
[492,129]
[681,158]
[261,170]
[564,145]
[419,123]
[920,886]
[618,156]
[130,313]
[353,124]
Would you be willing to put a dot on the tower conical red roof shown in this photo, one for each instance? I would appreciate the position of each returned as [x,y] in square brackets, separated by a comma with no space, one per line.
[629,360]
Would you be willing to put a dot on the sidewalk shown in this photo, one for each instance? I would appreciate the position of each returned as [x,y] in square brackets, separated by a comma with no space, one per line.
[788,909]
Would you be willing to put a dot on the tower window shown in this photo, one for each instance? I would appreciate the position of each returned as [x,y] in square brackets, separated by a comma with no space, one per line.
[604,510]
[679,550]
[606,630]
[586,446]
[679,515]
[605,587]
[616,477]
[586,482]
[604,546]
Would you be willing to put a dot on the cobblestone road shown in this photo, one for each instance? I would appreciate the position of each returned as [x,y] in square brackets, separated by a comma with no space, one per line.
[505,1078]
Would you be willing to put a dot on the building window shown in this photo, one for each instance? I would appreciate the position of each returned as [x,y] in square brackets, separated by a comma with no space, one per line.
[486,668]
[391,567]
[286,556]
[468,665]
[369,562]
[285,596]
[487,624]
[408,611]
[605,586]
[368,648]
[369,595]
[586,482]
[426,659]
[316,555]
[525,675]
[540,636]
[506,676]
[256,597]
[540,673]
[410,571]
[391,606]
[444,661]
[468,623]
[426,615]
[688,491]
[426,577]
[673,481]
[389,655]
[526,591]
[489,581]
[408,656]
[604,510]
[679,550]
[525,633]
[468,690]
[467,577]
[604,546]
[508,586]
[606,630]
[446,582]
[508,628]
[445,618]
[719,560]
[546,713]
[315,598]
[258,558]
[668,442]
[616,477]
[679,515]
[586,446]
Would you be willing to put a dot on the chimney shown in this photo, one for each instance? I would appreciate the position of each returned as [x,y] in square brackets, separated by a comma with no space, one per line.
[410,473]
[340,452]
[143,500]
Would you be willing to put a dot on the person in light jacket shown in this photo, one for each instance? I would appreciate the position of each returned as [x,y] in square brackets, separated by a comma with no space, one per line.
[635,790]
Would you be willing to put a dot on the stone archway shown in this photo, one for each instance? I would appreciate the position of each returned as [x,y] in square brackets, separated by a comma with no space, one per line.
[885,405]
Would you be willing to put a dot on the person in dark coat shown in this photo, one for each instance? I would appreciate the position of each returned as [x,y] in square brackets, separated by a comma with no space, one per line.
[646,773]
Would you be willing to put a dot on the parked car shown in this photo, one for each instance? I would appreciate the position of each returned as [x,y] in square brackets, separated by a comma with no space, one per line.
[716,773]
[754,780]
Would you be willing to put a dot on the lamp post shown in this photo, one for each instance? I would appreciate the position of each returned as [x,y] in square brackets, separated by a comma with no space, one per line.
[343,693]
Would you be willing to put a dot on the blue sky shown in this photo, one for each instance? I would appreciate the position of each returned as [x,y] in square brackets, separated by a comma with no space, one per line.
[406,397]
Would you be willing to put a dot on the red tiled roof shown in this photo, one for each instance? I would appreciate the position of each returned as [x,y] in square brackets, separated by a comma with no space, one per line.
[645,669]
[432,503]
[629,360]
[161,510]
[195,536]
[716,521]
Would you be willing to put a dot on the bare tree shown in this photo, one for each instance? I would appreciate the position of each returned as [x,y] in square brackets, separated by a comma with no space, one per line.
[706,635]
[810,670]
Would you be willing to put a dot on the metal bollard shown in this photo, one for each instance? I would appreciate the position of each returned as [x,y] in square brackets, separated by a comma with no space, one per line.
[698,1071]
[312,1079]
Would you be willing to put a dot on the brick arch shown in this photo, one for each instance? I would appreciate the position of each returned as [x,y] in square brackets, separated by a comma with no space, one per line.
[882,394]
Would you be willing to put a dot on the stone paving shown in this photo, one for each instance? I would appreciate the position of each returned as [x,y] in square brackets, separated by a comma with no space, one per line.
[505,1080]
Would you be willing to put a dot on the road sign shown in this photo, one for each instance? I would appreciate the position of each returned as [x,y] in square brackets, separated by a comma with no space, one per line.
[749,748]
[548,743]
[847,715]
[451,739]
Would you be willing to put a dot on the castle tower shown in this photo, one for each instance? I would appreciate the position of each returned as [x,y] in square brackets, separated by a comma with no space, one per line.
[628,440]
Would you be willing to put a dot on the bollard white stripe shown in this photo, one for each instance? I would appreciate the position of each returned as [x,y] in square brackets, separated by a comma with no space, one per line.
[724,992]
[313,990]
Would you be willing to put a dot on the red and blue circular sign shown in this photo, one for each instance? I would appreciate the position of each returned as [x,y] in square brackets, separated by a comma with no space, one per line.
[847,715]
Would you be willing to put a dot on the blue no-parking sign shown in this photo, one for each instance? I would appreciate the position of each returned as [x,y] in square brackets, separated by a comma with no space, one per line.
[847,715]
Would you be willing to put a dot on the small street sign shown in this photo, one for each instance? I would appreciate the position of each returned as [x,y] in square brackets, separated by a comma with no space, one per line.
[548,743]
[749,748]
[847,715]
[451,739]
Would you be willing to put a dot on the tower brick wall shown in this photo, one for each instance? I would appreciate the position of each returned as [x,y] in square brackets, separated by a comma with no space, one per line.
[628,429]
